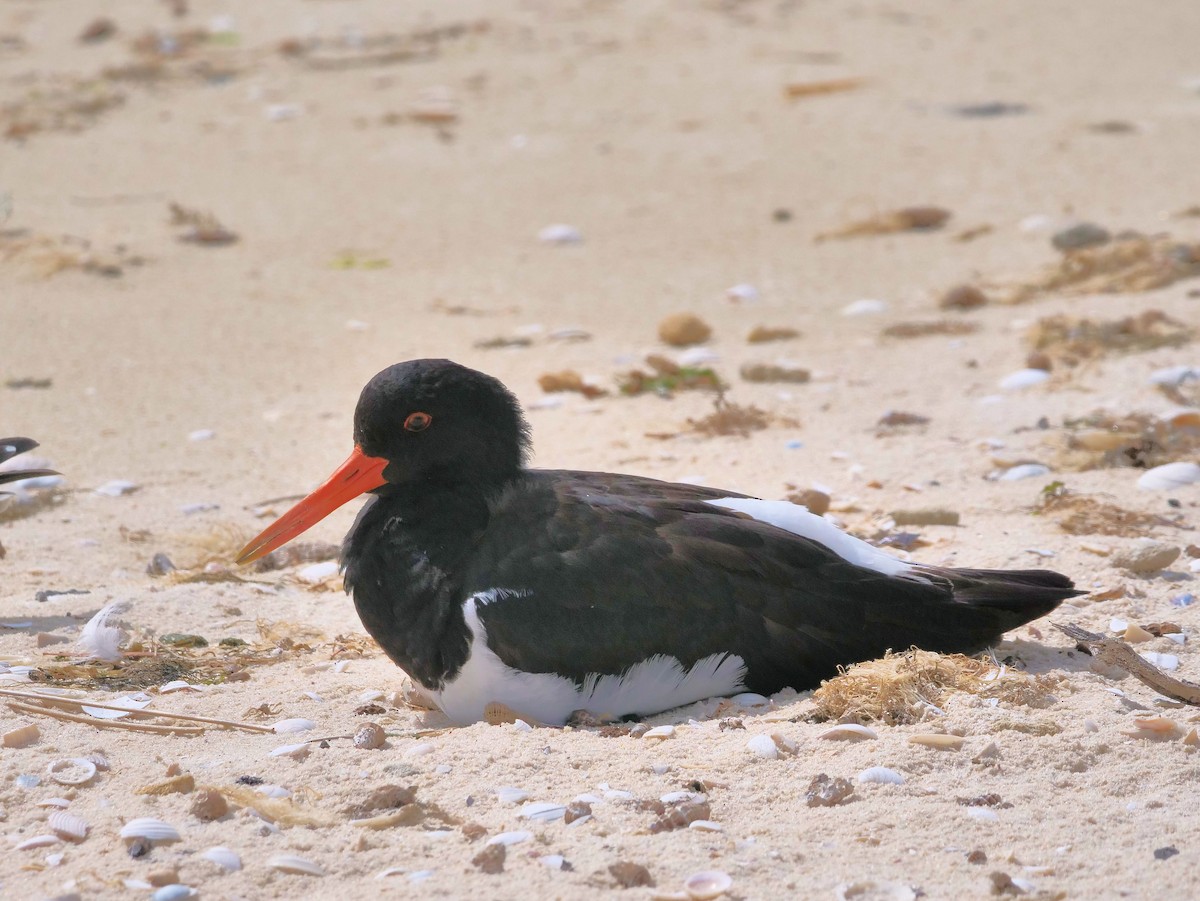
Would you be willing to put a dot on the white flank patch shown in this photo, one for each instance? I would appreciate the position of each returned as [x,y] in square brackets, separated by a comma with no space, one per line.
[658,683]
[796,519]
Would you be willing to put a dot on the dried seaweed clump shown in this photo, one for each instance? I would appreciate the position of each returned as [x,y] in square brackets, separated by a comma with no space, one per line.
[899,689]
[1104,440]
[1129,264]
[668,377]
[63,105]
[1078,514]
[1072,341]
[906,219]
[45,256]
[931,327]
[731,419]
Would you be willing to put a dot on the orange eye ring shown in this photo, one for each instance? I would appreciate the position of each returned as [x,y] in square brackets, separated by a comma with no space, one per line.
[418,422]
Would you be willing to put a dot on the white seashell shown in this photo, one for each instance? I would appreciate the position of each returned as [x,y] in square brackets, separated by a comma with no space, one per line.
[540,810]
[612,794]
[72,771]
[117,488]
[60,803]
[660,732]
[510,838]
[319,572]
[37,841]
[420,749]
[223,857]
[290,863]
[174,892]
[560,234]
[137,884]
[296,752]
[419,876]
[284,727]
[849,732]
[763,746]
[1177,637]
[743,292]
[521,726]
[1116,624]
[1023,378]
[706,826]
[1174,376]
[707,884]
[273,791]
[54,860]
[150,829]
[553,861]
[202,435]
[881,775]
[697,356]
[866,307]
[590,799]
[1024,471]
[683,797]
[390,871]
[877,891]
[68,826]
[509,795]
[750,699]
[1169,476]
[983,814]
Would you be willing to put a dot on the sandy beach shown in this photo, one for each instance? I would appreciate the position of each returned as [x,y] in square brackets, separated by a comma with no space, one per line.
[972,234]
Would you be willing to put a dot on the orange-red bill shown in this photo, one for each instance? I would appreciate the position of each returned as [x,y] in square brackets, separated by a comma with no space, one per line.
[357,475]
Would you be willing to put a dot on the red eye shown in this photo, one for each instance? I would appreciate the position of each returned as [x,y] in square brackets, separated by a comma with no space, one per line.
[418,422]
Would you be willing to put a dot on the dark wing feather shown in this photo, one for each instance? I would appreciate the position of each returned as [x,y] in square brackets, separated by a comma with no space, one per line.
[616,569]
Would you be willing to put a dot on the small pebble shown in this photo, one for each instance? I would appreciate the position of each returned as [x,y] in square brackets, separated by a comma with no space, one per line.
[866,307]
[561,234]
[1076,237]
[774,373]
[1145,556]
[1023,378]
[683,330]
[963,297]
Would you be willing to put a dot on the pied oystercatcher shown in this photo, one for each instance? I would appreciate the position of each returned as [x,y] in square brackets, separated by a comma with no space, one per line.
[556,592]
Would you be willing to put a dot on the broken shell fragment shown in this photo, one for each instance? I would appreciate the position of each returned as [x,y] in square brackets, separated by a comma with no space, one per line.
[290,863]
[223,857]
[848,732]
[21,737]
[293,725]
[37,841]
[72,771]
[68,826]
[937,740]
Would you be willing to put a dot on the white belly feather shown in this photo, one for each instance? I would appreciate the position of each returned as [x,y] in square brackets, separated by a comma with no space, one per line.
[658,683]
